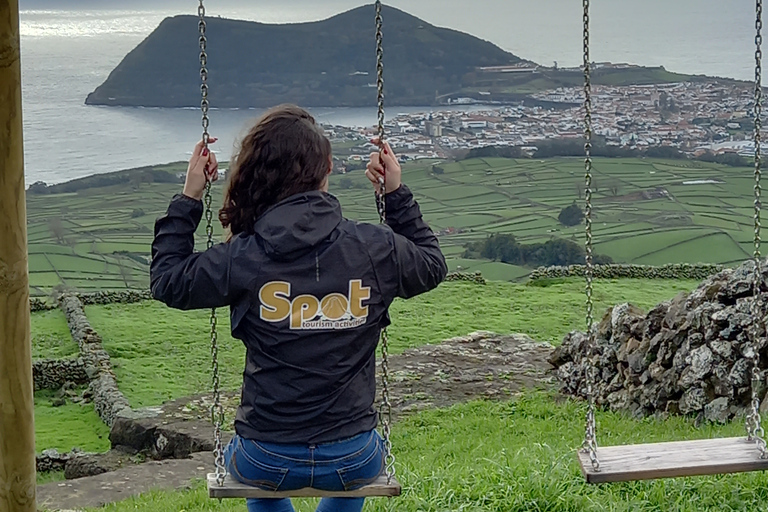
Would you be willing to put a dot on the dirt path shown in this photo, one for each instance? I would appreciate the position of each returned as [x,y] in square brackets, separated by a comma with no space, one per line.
[99,490]
[479,365]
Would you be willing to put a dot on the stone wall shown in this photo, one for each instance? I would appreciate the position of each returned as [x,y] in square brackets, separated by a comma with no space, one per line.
[114,297]
[107,398]
[36,304]
[54,373]
[671,271]
[689,355]
[88,299]
[78,464]
[52,460]
[475,277]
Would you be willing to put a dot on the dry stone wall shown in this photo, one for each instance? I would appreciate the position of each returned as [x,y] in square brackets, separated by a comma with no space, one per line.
[54,373]
[475,277]
[37,304]
[114,297]
[671,271]
[690,355]
[89,299]
[107,398]
[52,460]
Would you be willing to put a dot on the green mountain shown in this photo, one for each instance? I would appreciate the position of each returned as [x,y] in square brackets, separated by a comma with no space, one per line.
[324,63]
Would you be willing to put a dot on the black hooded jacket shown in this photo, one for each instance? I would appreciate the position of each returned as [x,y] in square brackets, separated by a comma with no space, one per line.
[308,296]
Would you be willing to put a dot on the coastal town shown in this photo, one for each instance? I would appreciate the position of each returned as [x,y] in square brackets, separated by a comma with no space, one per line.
[693,117]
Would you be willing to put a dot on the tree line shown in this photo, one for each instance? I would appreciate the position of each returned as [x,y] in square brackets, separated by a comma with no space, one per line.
[132,177]
[505,248]
[575,147]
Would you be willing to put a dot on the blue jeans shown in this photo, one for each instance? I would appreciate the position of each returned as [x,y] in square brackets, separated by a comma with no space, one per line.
[341,465]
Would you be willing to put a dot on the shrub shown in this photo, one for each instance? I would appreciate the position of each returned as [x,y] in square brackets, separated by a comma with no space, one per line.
[571,215]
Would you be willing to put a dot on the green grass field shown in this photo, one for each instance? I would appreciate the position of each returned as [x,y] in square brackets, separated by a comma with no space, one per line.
[95,239]
[481,456]
[50,336]
[160,354]
[71,425]
[68,426]
[517,456]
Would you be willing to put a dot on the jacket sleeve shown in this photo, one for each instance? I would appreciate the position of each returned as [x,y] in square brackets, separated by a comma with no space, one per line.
[420,262]
[182,278]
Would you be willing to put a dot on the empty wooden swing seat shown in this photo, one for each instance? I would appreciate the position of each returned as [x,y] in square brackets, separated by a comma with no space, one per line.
[234,489]
[673,459]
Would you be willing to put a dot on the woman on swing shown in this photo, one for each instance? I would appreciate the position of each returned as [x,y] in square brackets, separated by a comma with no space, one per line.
[309,293]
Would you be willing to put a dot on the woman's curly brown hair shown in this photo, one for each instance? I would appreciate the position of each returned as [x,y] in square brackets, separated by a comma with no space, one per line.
[284,154]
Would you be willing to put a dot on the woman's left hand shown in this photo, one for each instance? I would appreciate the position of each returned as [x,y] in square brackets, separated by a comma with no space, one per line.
[203,167]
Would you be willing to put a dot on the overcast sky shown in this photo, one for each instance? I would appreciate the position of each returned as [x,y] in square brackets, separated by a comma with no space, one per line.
[189,4]
[91,4]
[129,4]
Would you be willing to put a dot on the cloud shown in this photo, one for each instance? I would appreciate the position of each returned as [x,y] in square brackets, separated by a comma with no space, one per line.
[73,5]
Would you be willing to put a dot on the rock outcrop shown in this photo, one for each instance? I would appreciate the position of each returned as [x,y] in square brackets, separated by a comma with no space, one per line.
[156,433]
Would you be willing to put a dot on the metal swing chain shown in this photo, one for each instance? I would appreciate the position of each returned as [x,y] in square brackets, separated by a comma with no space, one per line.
[755,431]
[217,411]
[381,192]
[590,437]
[385,408]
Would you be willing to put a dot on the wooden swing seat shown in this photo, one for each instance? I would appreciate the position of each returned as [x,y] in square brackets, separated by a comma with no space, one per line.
[234,489]
[673,459]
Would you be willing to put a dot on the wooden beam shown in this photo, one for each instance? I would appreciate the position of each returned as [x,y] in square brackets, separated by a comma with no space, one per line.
[674,459]
[17,432]
[234,489]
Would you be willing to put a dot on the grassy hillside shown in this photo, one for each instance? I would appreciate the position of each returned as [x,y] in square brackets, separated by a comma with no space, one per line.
[517,456]
[160,354]
[646,211]
[148,376]
[510,87]
[99,238]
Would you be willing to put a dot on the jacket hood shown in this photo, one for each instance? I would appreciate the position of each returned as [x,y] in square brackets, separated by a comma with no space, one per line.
[297,224]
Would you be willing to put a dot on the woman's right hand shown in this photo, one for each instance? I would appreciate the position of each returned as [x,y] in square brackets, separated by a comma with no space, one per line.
[384,163]
[203,167]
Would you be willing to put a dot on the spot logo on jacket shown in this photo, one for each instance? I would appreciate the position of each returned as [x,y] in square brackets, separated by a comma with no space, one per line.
[307,312]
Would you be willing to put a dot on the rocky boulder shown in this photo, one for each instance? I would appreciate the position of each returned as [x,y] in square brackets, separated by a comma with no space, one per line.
[156,433]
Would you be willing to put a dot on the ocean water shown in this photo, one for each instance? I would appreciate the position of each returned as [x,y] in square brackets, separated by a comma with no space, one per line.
[68,53]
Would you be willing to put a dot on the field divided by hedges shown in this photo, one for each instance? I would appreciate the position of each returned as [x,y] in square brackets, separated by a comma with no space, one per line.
[100,238]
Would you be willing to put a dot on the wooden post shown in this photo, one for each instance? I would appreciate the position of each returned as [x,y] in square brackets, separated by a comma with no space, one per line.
[17,432]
